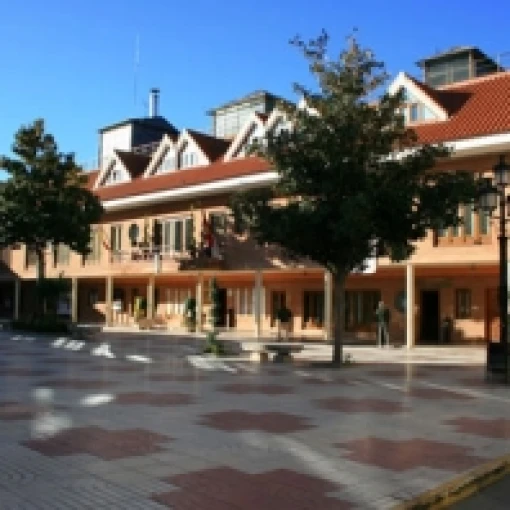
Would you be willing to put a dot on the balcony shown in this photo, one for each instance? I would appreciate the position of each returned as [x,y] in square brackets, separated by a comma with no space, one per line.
[156,259]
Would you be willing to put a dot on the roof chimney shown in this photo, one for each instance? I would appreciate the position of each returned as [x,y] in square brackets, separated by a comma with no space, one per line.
[153,102]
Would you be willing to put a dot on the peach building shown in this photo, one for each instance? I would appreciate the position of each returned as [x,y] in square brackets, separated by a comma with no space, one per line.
[167,231]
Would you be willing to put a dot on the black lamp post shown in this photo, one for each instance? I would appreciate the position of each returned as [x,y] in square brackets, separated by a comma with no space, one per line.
[492,196]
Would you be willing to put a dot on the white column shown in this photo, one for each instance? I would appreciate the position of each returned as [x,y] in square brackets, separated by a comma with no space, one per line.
[109,300]
[410,330]
[258,303]
[150,298]
[328,306]
[199,292]
[74,300]
[17,298]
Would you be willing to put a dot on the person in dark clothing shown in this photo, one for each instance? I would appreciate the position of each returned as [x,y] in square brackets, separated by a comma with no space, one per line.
[383,321]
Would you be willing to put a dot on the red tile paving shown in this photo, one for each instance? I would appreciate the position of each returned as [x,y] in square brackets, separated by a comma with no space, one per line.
[180,378]
[12,411]
[67,361]
[360,405]
[495,429]
[75,384]
[237,421]
[318,381]
[436,394]
[125,368]
[410,454]
[105,444]
[24,372]
[224,488]
[264,389]
[154,399]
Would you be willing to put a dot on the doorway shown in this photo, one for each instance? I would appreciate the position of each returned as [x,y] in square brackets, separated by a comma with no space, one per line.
[278,301]
[222,308]
[429,326]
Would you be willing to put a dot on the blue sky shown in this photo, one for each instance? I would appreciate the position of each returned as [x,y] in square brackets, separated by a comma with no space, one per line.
[72,62]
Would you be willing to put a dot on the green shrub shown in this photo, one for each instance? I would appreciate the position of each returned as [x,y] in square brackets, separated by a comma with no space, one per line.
[213,346]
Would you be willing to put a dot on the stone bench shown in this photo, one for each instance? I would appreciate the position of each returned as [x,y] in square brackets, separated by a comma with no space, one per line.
[283,351]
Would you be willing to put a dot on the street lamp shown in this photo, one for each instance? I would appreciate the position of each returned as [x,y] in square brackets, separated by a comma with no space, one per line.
[493,194]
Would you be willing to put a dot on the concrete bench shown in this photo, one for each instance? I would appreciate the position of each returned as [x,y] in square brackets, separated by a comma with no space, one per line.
[283,351]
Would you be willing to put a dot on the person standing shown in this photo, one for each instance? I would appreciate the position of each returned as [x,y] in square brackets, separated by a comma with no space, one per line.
[383,321]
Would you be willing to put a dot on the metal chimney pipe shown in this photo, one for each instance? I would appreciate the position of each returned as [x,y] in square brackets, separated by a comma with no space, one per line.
[154,102]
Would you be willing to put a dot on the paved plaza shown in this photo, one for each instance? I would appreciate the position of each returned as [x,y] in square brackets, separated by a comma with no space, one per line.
[143,422]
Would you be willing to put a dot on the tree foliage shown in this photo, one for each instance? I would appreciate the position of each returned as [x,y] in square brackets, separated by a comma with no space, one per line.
[45,199]
[351,173]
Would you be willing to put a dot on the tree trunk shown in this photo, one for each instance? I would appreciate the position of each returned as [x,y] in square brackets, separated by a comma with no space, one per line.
[338,317]
[39,277]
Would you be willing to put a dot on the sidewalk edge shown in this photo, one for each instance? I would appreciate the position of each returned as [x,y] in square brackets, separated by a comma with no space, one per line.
[459,488]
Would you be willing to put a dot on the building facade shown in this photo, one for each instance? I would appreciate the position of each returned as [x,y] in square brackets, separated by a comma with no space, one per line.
[167,230]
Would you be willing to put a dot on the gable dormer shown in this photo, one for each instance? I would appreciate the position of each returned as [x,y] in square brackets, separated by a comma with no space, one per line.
[421,103]
[123,167]
[252,131]
[164,159]
[188,153]
[114,172]
[277,123]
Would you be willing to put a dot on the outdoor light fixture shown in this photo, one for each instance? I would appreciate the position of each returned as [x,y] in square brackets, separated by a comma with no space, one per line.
[492,196]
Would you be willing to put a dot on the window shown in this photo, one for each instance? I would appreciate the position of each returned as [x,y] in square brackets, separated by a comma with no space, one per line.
[313,308]
[463,303]
[244,301]
[218,222]
[175,300]
[94,254]
[414,112]
[468,220]
[360,308]
[61,254]
[484,222]
[30,257]
[177,234]
[116,238]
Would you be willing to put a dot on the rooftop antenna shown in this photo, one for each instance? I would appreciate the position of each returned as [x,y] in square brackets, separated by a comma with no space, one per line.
[135,70]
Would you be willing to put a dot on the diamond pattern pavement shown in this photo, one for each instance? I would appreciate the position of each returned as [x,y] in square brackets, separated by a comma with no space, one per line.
[160,429]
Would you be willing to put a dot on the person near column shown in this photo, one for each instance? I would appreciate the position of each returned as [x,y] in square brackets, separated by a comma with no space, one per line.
[383,321]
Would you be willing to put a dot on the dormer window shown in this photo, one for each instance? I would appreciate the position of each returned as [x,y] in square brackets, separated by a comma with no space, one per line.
[168,165]
[188,159]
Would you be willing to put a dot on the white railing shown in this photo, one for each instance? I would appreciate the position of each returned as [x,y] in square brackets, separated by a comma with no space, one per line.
[147,255]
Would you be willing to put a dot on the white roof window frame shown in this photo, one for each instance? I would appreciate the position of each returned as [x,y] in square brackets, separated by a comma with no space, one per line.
[253,121]
[107,169]
[403,81]
[165,145]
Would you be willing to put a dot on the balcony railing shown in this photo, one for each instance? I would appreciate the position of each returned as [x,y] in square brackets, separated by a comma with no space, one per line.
[150,254]
[165,258]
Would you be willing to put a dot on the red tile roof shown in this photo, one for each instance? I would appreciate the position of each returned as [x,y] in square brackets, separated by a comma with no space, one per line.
[212,147]
[478,107]
[183,178]
[135,163]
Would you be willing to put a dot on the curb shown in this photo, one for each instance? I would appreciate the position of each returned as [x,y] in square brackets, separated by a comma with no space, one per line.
[461,487]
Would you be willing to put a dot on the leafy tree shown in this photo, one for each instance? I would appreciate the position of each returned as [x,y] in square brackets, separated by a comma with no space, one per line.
[45,199]
[353,177]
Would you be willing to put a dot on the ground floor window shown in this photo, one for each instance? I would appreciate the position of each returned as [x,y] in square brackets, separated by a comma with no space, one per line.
[360,306]
[463,303]
[175,300]
[313,308]
[244,301]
